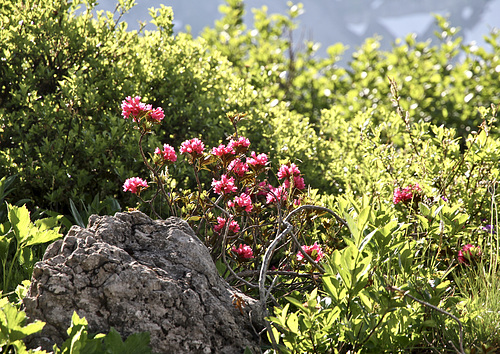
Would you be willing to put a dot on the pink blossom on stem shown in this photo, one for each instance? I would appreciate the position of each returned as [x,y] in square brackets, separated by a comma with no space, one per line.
[242,201]
[157,114]
[405,194]
[241,145]
[222,150]
[467,253]
[167,154]
[298,182]
[244,252]
[257,160]
[132,106]
[286,171]
[134,185]
[313,251]
[194,146]
[233,225]
[238,167]
[224,186]
[276,195]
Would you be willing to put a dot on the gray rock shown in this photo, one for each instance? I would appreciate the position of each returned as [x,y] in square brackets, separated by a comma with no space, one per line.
[137,274]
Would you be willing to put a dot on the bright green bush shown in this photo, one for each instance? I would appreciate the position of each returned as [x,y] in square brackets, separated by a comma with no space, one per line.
[441,84]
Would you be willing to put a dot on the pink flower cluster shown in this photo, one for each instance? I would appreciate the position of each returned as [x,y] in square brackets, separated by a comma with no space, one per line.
[291,171]
[257,160]
[234,227]
[135,185]
[238,167]
[222,150]
[167,154]
[244,252]
[467,253]
[286,171]
[276,195]
[133,107]
[224,186]
[406,194]
[313,251]
[243,201]
[240,145]
[298,182]
[194,147]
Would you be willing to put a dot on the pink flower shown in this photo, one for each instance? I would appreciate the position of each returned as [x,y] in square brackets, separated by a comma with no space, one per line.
[286,171]
[264,188]
[243,201]
[233,225]
[468,253]
[222,150]
[405,194]
[257,160]
[157,114]
[298,182]
[224,186]
[135,185]
[133,107]
[313,251]
[241,145]
[238,167]
[194,146]
[276,195]
[244,252]
[168,153]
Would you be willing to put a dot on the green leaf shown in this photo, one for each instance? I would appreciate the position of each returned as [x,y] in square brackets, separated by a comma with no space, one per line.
[297,303]
[76,214]
[424,209]
[38,237]
[367,240]
[293,323]
[20,221]
[138,343]
[12,324]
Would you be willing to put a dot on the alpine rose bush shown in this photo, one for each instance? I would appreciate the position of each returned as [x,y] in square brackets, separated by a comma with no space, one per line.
[224,186]
[234,227]
[167,154]
[313,251]
[406,194]
[276,195]
[240,145]
[194,147]
[243,201]
[135,185]
[257,160]
[133,107]
[222,150]
[468,253]
[244,252]
[238,167]
[287,171]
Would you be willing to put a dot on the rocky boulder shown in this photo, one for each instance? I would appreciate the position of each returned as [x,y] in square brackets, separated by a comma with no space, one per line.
[137,274]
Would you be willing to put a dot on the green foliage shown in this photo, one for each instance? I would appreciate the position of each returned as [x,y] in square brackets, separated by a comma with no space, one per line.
[80,341]
[107,206]
[62,78]
[13,328]
[18,236]
[436,85]
[358,308]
